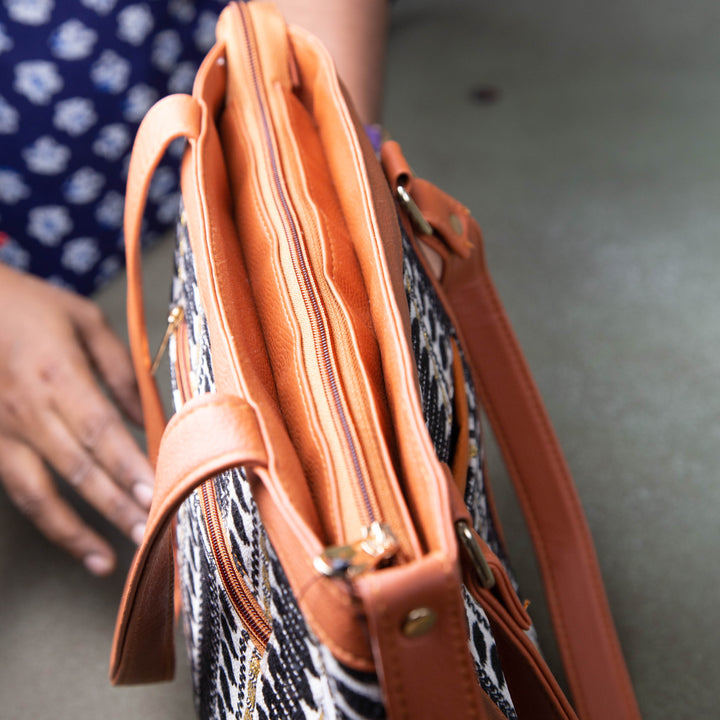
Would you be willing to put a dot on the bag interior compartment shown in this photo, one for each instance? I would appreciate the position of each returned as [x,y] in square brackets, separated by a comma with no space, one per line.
[309,291]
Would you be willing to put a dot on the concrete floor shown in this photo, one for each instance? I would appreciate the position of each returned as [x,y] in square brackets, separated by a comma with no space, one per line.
[585,140]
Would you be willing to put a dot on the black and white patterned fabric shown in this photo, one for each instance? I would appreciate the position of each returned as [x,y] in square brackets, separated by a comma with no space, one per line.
[296,677]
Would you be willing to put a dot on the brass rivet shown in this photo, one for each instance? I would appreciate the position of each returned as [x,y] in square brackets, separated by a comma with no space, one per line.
[419,622]
[456,223]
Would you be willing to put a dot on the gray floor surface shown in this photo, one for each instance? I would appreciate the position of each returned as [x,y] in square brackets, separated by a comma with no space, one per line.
[584,137]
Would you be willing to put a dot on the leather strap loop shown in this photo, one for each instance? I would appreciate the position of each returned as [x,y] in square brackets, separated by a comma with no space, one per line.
[173,117]
[143,646]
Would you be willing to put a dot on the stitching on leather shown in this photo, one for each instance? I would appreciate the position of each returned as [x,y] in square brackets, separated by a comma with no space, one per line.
[337,650]
[418,448]
[290,322]
[288,490]
[509,454]
[541,419]
[334,304]
[329,491]
[318,627]
[386,630]
[459,638]
[227,402]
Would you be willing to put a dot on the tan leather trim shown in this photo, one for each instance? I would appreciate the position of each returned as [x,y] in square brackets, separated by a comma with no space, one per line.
[461,457]
[431,675]
[173,117]
[533,688]
[143,646]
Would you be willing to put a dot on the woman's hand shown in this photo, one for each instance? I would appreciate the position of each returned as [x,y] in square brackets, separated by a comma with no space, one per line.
[54,346]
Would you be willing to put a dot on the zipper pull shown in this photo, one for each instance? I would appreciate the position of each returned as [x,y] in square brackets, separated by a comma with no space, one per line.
[414,212]
[176,316]
[377,545]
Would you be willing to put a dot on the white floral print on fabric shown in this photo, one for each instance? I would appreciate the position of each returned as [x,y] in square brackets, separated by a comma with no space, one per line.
[49,224]
[6,42]
[101,7]
[12,187]
[9,118]
[162,183]
[168,208]
[80,254]
[79,77]
[60,282]
[138,101]
[75,116]
[30,12]
[46,156]
[12,254]
[167,47]
[112,141]
[109,267]
[110,73]
[72,41]
[83,186]
[182,78]
[182,10]
[204,34]
[109,211]
[38,80]
[135,23]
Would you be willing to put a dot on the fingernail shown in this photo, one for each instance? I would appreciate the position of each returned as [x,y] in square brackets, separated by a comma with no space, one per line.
[98,564]
[143,494]
[138,533]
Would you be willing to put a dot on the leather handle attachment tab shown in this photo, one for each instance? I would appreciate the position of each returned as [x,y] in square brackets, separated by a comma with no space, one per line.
[143,646]
[172,117]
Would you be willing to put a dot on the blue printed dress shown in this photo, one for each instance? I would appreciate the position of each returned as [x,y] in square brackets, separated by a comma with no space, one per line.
[76,78]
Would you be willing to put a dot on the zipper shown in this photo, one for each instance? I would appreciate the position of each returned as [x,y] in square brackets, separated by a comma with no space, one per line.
[377,546]
[377,543]
[243,600]
[175,317]
[246,606]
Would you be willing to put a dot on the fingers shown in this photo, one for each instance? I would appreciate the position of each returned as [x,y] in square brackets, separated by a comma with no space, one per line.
[30,487]
[81,470]
[110,357]
[98,430]
[52,410]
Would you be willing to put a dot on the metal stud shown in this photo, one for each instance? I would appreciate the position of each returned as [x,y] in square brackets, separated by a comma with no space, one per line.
[419,622]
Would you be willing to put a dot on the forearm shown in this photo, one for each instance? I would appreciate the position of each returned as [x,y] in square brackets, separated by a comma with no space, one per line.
[355,33]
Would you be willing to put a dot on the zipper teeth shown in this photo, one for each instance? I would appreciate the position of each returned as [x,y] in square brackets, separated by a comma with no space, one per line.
[245,604]
[308,294]
[181,376]
[242,599]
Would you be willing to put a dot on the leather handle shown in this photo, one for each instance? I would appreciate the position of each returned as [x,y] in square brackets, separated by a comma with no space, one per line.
[143,646]
[172,117]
